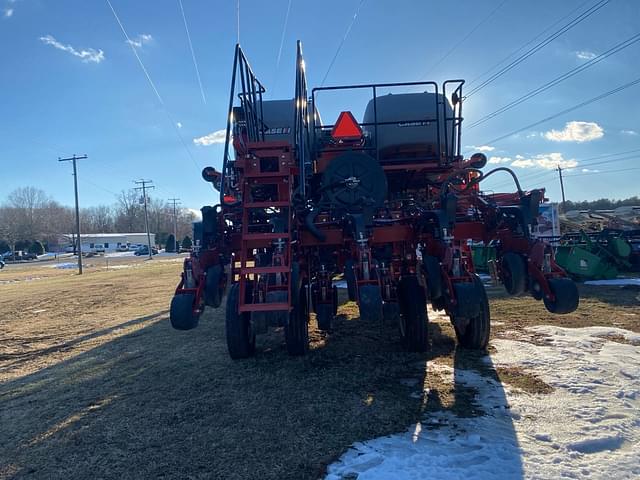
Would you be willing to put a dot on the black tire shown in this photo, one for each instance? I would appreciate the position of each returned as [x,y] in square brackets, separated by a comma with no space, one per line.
[212,291]
[370,303]
[414,323]
[431,266]
[181,312]
[567,296]
[391,312]
[296,332]
[514,273]
[350,278]
[241,341]
[324,316]
[476,333]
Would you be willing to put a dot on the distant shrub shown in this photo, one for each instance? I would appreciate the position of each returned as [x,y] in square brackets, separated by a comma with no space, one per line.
[170,246]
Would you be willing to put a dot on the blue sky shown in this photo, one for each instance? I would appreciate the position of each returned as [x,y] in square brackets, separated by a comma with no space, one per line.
[71,84]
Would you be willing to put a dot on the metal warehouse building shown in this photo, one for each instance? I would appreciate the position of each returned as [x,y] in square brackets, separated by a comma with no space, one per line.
[111,241]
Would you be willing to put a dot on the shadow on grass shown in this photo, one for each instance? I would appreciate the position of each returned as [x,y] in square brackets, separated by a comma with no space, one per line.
[158,403]
[621,296]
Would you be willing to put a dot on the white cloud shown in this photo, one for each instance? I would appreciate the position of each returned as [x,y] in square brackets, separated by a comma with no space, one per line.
[8,12]
[214,137]
[587,170]
[179,124]
[548,161]
[481,148]
[499,159]
[576,132]
[532,134]
[585,55]
[522,163]
[632,133]
[87,55]
[141,39]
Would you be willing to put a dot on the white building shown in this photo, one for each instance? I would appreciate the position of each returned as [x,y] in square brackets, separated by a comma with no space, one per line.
[111,242]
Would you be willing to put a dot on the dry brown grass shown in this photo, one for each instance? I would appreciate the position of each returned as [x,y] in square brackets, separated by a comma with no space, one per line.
[95,384]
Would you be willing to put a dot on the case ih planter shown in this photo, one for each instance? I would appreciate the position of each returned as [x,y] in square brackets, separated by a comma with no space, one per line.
[388,202]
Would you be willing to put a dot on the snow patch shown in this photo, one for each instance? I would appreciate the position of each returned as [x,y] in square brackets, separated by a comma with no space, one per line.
[589,426]
[615,281]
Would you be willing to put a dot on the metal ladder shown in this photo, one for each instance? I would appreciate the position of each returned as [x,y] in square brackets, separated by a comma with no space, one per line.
[282,178]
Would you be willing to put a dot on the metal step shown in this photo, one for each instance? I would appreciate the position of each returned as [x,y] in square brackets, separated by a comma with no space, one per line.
[264,236]
[264,307]
[280,203]
[263,270]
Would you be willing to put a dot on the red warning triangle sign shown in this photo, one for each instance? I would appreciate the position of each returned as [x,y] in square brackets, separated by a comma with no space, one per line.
[346,128]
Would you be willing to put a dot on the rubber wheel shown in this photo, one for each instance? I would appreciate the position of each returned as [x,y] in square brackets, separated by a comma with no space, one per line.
[514,273]
[476,334]
[324,316]
[350,278]
[431,266]
[414,323]
[567,296]
[296,332]
[241,341]
[370,303]
[391,312]
[212,291]
[181,312]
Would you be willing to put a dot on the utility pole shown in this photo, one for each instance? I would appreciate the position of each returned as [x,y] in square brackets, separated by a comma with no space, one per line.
[175,223]
[75,188]
[561,185]
[144,188]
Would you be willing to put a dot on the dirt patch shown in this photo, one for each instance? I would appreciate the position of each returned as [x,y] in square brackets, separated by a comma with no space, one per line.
[620,339]
[522,380]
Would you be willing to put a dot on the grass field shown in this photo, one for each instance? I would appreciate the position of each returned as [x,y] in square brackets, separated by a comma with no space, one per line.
[94,383]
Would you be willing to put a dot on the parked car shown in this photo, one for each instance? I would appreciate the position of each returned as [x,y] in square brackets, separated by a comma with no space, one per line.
[123,247]
[144,250]
[98,248]
[1,263]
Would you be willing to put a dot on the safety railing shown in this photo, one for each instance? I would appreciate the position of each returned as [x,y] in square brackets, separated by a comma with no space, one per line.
[447,125]
[251,125]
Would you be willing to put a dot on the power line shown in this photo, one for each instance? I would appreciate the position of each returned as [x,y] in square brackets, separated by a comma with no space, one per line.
[603,172]
[465,38]
[571,109]
[565,28]
[525,45]
[193,55]
[153,86]
[284,29]
[344,39]
[619,47]
[537,176]
[238,21]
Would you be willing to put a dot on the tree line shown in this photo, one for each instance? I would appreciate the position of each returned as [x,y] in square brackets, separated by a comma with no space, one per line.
[29,216]
[602,204]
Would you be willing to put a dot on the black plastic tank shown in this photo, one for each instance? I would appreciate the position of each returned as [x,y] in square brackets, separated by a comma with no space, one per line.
[408,124]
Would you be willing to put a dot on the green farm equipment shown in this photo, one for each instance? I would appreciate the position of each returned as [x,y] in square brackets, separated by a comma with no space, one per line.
[594,256]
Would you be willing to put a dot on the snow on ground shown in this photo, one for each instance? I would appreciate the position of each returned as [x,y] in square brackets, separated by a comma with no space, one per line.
[588,427]
[65,265]
[119,254]
[615,281]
